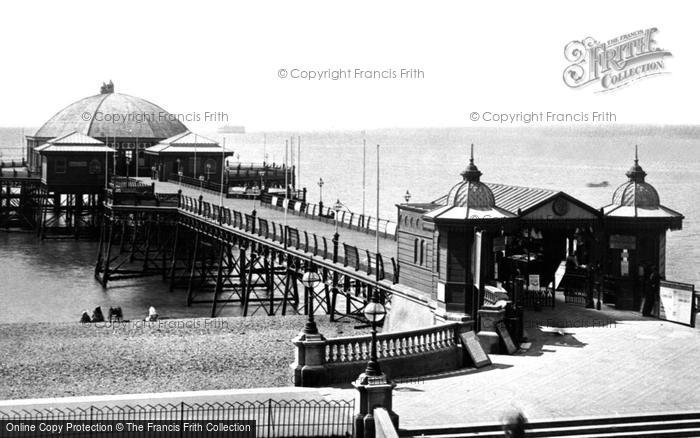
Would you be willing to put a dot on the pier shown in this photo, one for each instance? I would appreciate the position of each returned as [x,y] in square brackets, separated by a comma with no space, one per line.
[223,251]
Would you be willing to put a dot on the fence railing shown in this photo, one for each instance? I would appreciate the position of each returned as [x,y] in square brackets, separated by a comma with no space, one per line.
[346,218]
[123,184]
[206,184]
[20,162]
[273,418]
[365,261]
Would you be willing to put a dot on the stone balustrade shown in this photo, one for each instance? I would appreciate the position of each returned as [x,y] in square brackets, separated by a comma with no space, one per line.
[403,354]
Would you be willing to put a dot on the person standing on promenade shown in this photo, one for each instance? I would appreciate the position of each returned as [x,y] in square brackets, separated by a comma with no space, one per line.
[651,291]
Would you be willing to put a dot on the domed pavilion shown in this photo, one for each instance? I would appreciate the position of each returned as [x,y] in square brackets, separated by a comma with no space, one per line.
[468,243]
[126,123]
[635,229]
[483,242]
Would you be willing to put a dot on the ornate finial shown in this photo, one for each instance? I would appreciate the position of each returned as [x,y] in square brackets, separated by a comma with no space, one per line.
[471,173]
[636,173]
[107,88]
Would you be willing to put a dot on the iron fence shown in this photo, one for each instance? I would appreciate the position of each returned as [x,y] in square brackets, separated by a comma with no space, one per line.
[273,418]
[364,260]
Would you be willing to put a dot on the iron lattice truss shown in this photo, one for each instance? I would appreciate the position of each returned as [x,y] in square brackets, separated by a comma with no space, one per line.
[220,266]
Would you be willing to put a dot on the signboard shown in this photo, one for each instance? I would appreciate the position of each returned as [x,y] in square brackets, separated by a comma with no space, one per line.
[619,241]
[441,292]
[274,201]
[77,164]
[475,350]
[533,281]
[503,333]
[499,243]
[676,302]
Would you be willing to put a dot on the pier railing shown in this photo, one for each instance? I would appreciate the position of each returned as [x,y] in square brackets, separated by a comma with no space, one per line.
[124,184]
[346,218]
[408,353]
[273,418]
[350,256]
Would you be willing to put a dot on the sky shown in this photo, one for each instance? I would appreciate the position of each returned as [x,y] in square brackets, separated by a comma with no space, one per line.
[214,56]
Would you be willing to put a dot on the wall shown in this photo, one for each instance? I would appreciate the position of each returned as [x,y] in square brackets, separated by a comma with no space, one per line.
[415,251]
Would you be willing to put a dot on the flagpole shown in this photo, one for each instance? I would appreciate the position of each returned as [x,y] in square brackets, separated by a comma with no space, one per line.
[299,162]
[286,189]
[137,157]
[364,160]
[291,154]
[376,220]
[264,148]
[223,167]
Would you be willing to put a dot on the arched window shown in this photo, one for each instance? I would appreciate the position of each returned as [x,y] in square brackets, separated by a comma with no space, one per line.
[210,166]
[415,251]
[422,251]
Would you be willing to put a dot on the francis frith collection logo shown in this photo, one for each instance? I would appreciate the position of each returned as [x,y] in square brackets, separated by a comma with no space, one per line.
[614,63]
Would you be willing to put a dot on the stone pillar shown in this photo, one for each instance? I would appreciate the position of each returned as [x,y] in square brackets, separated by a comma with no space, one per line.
[488,336]
[309,365]
[372,392]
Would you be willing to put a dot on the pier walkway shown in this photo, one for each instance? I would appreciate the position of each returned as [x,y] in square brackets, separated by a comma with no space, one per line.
[361,240]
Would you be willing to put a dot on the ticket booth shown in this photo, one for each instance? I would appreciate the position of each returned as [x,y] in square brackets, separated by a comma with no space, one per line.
[635,226]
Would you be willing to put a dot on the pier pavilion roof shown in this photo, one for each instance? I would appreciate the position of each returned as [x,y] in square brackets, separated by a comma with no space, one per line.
[469,199]
[95,116]
[636,198]
[74,142]
[186,142]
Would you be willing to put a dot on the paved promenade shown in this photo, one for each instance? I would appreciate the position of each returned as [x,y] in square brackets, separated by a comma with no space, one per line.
[605,363]
[363,241]
[609,362]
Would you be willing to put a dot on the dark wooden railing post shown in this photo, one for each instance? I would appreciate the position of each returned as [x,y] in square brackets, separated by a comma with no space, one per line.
[336,239]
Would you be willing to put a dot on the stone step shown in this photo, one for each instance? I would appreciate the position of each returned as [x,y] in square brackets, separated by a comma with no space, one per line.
[665,425]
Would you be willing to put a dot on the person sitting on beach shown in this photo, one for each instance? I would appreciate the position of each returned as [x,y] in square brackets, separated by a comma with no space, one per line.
[85,317]
[152,315]
[97,315]
[115,313]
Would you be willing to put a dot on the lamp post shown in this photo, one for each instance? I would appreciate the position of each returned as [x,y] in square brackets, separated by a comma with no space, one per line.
[375,312]
[336,237]
[179,179]
[310,279]
[337,207]
[320,190]
[320,196]
[407,196]
[201,184]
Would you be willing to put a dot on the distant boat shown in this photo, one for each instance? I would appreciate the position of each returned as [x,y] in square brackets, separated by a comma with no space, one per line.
[230,129]
[600,184]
